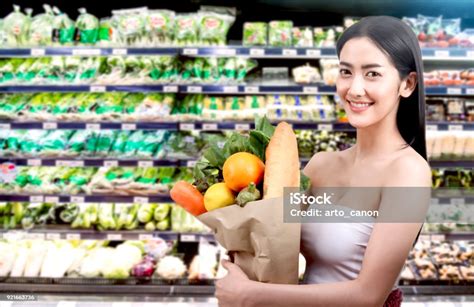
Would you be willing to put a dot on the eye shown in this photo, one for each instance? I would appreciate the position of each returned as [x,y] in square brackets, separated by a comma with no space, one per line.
[344,72]
[373,74]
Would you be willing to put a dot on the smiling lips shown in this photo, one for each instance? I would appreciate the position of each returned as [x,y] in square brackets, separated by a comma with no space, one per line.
[359,106]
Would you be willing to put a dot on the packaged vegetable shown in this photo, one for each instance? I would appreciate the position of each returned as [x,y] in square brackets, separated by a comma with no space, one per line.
[63,28]
[255,34]
[130,25]
[170,267]
[279,33]
[186,29]
[87,28]
[41,31]
[17,26]
[302,37]
[214,24]
[160,26]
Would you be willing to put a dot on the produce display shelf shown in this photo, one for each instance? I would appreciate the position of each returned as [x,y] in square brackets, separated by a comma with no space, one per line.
[165,125]
[108,162]
[174,288]
[67,88]
[454,53]
[283,89]
[208,125]
[85,51]
[84,198]
[57,232]
[447,236]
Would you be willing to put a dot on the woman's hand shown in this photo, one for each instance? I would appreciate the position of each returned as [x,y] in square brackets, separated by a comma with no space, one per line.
[233,289]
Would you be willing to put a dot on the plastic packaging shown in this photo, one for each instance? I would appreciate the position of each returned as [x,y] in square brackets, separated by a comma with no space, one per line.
[87,28]
[279,33]
[255,34]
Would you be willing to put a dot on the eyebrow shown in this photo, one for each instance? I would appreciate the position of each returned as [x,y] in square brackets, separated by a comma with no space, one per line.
[363,66]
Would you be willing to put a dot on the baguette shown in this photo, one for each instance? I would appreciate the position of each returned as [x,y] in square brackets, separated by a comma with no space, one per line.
[282,165]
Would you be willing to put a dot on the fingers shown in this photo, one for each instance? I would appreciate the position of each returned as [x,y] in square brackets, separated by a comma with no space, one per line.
[227,264]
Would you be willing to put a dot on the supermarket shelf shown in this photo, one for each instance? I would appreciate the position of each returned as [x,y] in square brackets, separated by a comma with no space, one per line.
[217,126]
[452,164]
[311,89]
[170,126]
[84,198]
[89,162]
[452,236]
[449,90]
[60,285]
[57,232]
[168,88]
[449,126]
[231,50]
[85,51]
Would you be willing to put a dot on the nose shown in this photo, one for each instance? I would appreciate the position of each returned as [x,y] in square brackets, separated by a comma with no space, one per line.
[356,88]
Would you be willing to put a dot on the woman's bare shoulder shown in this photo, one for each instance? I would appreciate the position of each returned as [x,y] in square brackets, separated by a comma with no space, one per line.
[324,162]
[409,169]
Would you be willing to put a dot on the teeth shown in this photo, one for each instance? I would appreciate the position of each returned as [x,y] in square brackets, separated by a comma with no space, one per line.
[360,105]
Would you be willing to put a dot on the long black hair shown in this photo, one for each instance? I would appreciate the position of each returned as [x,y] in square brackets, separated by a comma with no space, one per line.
[400,43]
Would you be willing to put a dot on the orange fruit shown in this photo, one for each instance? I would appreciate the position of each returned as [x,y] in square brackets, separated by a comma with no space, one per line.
[241,169]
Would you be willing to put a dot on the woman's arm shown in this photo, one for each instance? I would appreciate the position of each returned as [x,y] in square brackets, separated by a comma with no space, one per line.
[384,258]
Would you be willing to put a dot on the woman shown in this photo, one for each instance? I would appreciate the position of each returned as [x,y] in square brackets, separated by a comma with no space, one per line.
[381,86]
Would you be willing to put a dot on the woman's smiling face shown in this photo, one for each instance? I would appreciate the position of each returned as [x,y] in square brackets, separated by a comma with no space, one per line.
[368,83]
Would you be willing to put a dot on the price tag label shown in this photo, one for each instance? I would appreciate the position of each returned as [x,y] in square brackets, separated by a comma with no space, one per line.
[94,127]
[170,89]
[121,304]
[231,89]
[431,127]
[145,163]
[470,91]
[86,52]
[441,53]
[35,236]
[310,89]
[242,127]
[454,91]
[5,126]
[209,127]
[38,52]
[325,127]
[6,304]
[313,52]
[191,163]
[53,236]
[438,237]
[140,200]
[145,237]
[33,162]
[77,199]
[470,54]
[36,199]
[257,52]
[73,236]
[129,127]
[289,52]
[50,126]
[226,51]
[51,199]
[455,128]
[111,163]
[186,127]
[194,89]
[252,89]
[114,237]
[13,235]
[69,163]
[424,238]
[66,304]
[188,238]
[98,89]
[120,51]
[457,201]
[190,51]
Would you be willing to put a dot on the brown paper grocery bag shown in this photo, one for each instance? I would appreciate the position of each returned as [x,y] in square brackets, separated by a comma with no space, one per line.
[264,247]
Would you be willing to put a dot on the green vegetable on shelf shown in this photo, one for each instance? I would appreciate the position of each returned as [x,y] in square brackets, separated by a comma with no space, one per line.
[145,213]
[161,212]
[87,28]
[255,34]
[163,224]
[69,214]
